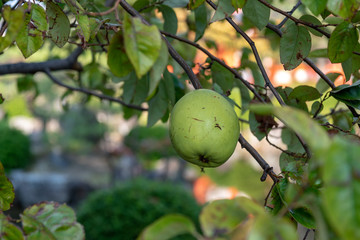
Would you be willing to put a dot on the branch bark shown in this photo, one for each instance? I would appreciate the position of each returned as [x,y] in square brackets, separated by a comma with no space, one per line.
[90,92]
[69,63]
[214,58]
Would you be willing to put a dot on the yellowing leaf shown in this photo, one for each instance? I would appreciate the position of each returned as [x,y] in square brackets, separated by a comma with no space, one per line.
[142,44]
[15,19]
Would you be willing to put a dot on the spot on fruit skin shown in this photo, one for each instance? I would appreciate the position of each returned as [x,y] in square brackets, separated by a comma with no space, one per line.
[196,119]
[217,126]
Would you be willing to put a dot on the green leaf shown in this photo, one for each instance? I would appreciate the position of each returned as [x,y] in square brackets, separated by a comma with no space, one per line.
[2,99]
[82,19]
[142,44]
[9,231]
[29,39]
[59,25]
[117,60]
[244,95]
[348,94]
[292,166]
[195,4]
[343,8]
[316,7]
[256,128]
[221,76]
[201,21]
[38,17]
[342,42]
[318,53]
[322,86]
[158,68]
[238,3]
[257,13]
[169,80]
[289,138]
[313,20]
[84,26]
[285,92]
[15,19]
[295,45]
[95,26]
[304,217]
[316,107]
[6,191]
[341,190]
[167,227]
[51,221]
[176,3]
[300,122]
[158,105]
[304,93]
[270,227]
[170,19]
[223,10]
[220,217]
[347,68]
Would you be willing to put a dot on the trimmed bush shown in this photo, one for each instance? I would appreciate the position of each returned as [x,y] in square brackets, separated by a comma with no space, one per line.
[15,149]
[124,211]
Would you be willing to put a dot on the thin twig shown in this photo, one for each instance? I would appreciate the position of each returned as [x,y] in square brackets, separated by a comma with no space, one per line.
[94,14]
[316,69]
[255,154]
[90,92]
[214,58]
[298,21]
[297,5]
[269,193]
[256,54]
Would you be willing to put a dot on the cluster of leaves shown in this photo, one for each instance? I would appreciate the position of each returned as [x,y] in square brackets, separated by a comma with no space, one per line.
[319,180]
[46,220]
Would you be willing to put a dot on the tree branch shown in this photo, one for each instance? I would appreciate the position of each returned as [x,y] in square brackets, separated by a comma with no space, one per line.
[298,21]
[90,92]
[256,54]
[174,54]
[297,5]
[315,68]
[263,164]
[69,63]
[214,58]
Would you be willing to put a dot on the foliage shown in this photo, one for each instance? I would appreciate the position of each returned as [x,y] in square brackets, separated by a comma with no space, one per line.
[15,147]
[145,56]
[131,206]
[46,220]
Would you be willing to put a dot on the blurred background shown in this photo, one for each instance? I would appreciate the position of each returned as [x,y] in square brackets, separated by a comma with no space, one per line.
[105,163]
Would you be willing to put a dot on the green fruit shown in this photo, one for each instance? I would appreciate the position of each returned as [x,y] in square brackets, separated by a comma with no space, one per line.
[204,128]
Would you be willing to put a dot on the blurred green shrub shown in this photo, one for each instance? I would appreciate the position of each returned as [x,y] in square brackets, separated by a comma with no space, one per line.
[15,149]
[150,143]
[80,129]
[124,211]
